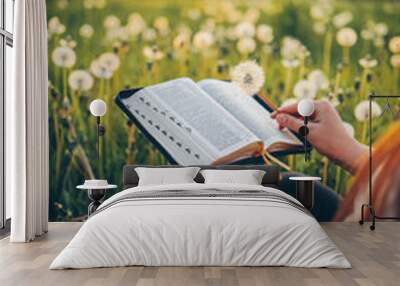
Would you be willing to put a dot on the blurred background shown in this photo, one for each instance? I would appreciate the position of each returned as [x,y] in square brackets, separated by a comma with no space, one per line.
[338,50]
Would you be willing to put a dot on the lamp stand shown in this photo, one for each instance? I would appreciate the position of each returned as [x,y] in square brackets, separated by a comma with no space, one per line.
[100,131]
[303,131]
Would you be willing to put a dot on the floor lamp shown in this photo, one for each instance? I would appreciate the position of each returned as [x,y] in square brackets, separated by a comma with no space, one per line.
[370,204]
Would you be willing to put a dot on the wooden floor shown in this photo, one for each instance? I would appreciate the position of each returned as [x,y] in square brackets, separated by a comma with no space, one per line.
[375,257]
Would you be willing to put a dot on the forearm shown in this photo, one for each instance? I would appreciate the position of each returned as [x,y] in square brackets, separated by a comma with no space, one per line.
[351,155]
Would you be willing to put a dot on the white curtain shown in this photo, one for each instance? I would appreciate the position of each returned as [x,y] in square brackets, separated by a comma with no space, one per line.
[27,142]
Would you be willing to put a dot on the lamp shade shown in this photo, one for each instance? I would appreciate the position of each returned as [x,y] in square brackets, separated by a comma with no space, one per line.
[98,107]
[305,107]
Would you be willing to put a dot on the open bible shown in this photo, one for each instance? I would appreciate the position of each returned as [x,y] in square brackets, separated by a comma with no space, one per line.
[204,123]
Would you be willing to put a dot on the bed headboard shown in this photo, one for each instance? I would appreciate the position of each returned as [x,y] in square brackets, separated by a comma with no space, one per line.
[271,177]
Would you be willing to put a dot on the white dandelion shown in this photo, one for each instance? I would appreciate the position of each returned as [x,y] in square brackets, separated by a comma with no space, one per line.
[381,29]
[319,79]
[111,60]
[346,37]
[64,57]
[149,35]
[265,34]
[290,48]
[203,40]
[395,61]
[342,19]
[136,25]
[153,53]
[80,80]
[55,26]
[100,70]
[361,111]
[394,45]
[120,34]
[368,62]
[319,28]
[208,25]
[321,11]
[181,42]
[244,29]
[305,89]
[246,45]
[249,76]
[68,42]
[112,22]
[162,25]
[86,31]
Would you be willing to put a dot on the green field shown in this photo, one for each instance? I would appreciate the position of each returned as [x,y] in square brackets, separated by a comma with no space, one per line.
[125,28]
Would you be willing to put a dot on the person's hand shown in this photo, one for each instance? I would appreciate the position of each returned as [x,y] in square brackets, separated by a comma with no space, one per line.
[327,133]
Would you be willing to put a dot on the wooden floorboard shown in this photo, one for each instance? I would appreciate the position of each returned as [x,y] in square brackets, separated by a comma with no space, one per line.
[375,257]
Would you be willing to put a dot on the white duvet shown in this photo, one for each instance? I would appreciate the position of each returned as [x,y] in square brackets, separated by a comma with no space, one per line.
[200,231]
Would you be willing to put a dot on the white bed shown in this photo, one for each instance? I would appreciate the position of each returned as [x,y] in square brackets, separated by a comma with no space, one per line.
[207,230]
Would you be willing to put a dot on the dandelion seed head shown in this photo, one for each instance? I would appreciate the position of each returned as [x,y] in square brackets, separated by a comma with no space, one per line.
[246,45]
[305,89]
[346,37]
[318,78]
[265,34]
[368,62]
[112,22]
[149,35]
[291,48]
[321,11]
[161,23]
[361,111]
[181,42]
[80,80]
[68,42]
[110,60]
[342,19]
[208,25]
[64,57]
[394,45]
[381,29]
[203,40]
[319,28]
[55,26]
[244,29]
[100,70]
[249,76]
[153,53]
[136,25]
[395,61]
[86,31]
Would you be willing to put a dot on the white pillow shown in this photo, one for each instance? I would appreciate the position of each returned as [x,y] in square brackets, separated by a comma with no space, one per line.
[247,177]
[165,176]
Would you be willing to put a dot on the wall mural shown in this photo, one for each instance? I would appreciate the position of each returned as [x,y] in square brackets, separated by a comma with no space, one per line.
[337,51]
